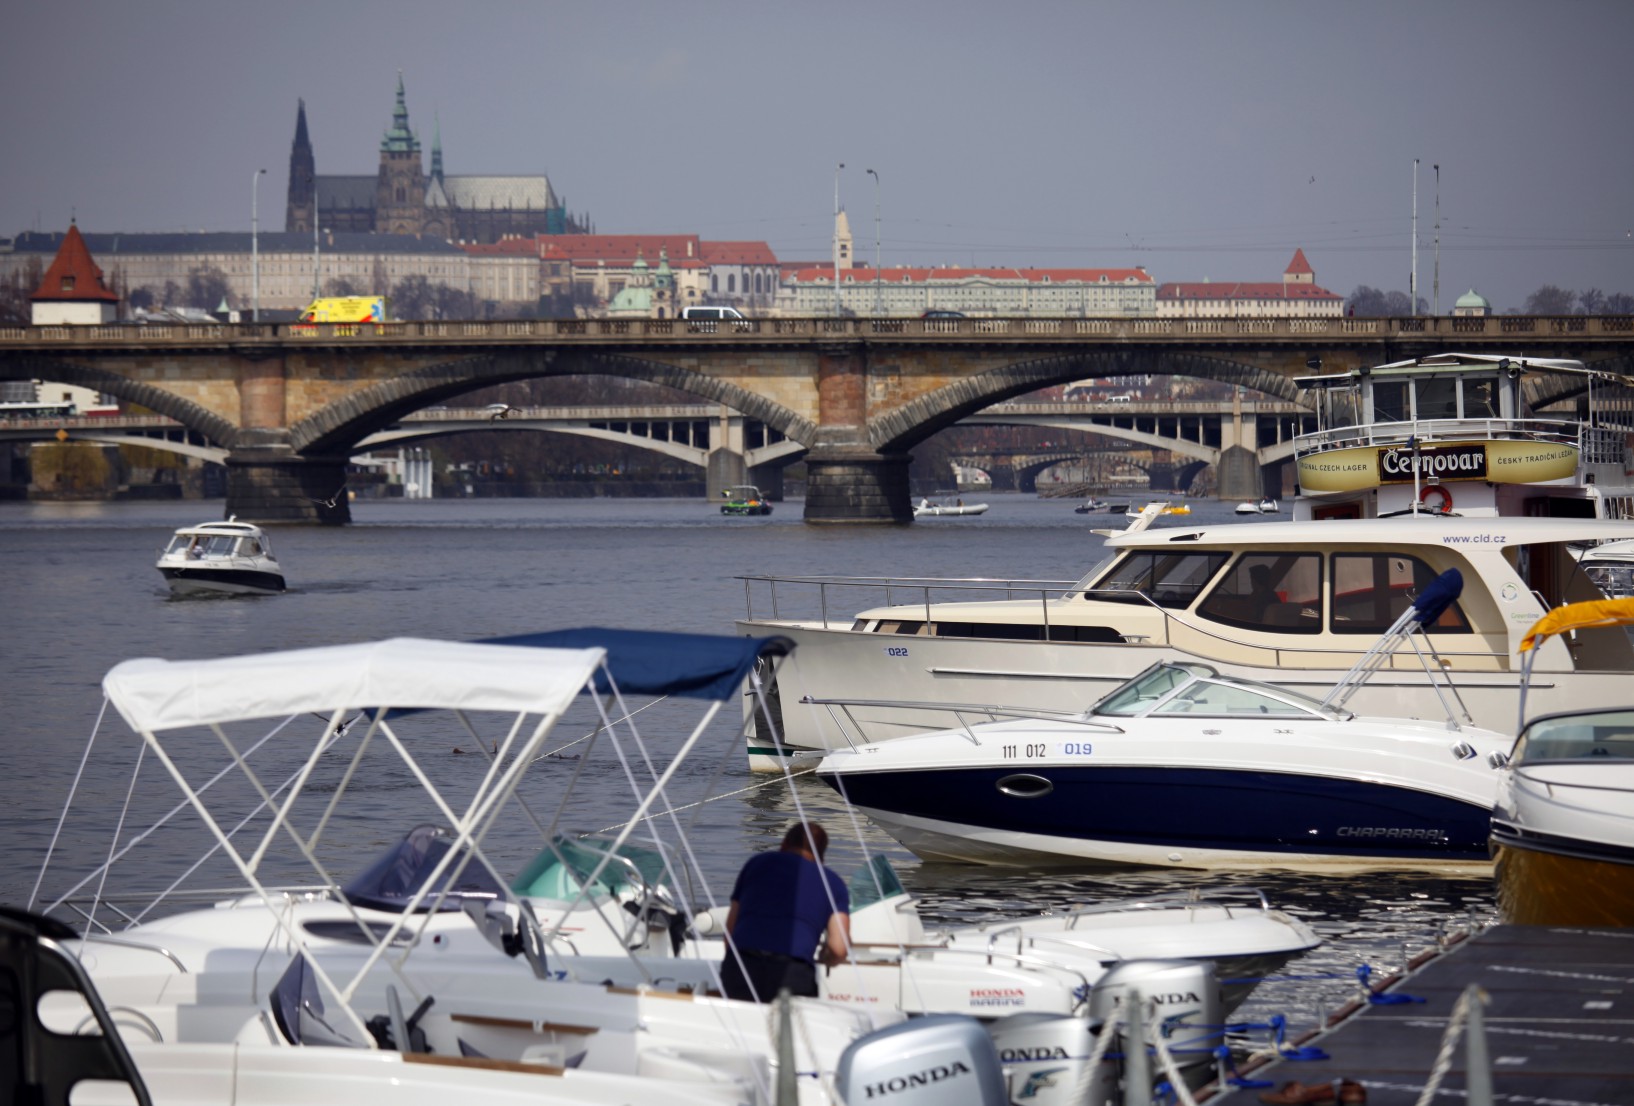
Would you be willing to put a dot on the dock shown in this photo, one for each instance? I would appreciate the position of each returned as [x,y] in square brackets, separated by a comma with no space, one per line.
[1558,1022]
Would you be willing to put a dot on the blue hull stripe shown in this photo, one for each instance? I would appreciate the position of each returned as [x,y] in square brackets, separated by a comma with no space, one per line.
[1190,808]
[244,578]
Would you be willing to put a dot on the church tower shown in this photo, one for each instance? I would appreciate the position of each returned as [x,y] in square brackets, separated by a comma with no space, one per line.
[303,192]
[400,191]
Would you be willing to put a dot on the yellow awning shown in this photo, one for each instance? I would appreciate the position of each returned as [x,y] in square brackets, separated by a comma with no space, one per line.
[1578,616]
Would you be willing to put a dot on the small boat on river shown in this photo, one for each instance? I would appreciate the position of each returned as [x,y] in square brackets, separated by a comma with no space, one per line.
[744,499]
[928,509]
[232,558]
[1089,506]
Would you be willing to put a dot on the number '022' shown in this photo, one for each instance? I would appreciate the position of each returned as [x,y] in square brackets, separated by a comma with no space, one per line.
[896,650]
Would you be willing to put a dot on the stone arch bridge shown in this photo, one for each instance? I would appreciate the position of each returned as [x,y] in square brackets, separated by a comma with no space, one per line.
[289,402]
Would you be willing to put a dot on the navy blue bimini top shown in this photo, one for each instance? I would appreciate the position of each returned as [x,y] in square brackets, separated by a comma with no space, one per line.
[782,906]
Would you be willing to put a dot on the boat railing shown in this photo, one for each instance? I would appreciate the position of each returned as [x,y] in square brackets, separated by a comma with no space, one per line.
[961,712]
[129,908]
[1225,898]
[1208,643]
[806,590]
[1598,444]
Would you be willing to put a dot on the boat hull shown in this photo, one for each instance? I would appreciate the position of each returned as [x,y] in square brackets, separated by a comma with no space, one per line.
[226,581]
[1169,817]
[1550,882]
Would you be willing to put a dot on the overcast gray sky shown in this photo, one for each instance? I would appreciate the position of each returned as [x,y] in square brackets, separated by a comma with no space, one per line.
[1201,140]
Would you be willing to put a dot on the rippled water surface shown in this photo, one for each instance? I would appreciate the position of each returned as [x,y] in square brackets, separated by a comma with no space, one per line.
[80,594]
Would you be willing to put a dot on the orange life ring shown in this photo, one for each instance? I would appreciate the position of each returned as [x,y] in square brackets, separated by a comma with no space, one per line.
[1446,498]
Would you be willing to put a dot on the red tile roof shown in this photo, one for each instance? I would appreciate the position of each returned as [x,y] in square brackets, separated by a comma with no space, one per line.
[738,253]
[618,249]
[1241,290]
[1299,266]
[73,276]
[920,276]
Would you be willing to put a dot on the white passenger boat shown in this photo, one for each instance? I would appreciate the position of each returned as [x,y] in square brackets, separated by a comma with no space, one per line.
[1291,603]
[429,953]
[1456,434]
[229,557]
[928,509]
[1563,824]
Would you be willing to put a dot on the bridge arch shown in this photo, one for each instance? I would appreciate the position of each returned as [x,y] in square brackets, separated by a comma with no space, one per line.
[919,419]
[342,424]
[156,399]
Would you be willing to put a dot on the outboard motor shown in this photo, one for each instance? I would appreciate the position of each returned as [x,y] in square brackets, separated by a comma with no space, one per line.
[1046,1061]
[937,1060]
[1190,1008]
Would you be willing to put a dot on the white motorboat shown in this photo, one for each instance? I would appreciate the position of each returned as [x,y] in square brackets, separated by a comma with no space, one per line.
[1184,767]
[1563,823]
[429,953]
[1248,508]
[1455,433]
[1269,506]
[927,509]
[1191,594]
[1089,506]
[229,557]
[1610,565]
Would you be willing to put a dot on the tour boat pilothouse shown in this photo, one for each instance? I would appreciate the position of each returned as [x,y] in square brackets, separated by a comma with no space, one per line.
[229,557]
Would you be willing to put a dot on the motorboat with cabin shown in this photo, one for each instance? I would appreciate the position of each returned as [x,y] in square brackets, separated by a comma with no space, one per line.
[1469,434]
[231,557]
[431,953]
[1563,823]
[1295,604]
[1185,767]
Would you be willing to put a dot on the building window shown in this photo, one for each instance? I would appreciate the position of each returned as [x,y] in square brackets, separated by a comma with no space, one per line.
[731,282]
[68,283]
[714,283]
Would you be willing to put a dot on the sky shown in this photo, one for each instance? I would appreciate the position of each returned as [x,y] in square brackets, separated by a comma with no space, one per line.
[1201,140]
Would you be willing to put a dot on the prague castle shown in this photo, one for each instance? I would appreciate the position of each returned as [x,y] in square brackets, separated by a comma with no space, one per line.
[403,198]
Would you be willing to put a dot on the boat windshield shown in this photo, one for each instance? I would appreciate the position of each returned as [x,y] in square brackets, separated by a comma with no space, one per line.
[393,879]
[560,869]
[1600,735]
[875,882]
[1157,682]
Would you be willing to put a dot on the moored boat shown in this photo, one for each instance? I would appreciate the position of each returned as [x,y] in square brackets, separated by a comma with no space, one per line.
[744,499]
[229,557]
[1186,767]
[1563,822]
[927,509]
[1192,594]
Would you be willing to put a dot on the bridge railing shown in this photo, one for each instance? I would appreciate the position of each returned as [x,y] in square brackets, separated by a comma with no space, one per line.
[1014,330]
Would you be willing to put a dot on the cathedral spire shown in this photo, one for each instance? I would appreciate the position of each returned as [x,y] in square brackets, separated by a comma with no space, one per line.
[302,202]
[437,147]
[399,139]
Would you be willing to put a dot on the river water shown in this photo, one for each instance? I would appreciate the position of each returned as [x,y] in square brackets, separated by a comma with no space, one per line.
[80,594]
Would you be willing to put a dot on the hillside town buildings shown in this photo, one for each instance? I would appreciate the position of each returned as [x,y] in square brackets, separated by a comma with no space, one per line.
[1295,296]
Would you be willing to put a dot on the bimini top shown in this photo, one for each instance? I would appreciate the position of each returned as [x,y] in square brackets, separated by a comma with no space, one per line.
[694,666]
[1579,616]
[153,694]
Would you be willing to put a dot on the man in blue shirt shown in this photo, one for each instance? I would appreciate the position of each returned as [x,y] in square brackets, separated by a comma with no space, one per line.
[788,912]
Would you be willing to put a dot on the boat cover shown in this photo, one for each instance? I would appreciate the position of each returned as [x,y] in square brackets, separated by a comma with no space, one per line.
[1579,616]
[153,694]
[642,662]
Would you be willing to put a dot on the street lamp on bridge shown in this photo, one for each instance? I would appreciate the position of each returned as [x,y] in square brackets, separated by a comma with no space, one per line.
[879,307]
[255,244]
[838,311]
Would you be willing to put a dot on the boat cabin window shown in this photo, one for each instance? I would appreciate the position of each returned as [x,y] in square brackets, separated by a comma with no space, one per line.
[1169,579]
[1372,590]
[1436,397]
[1028,631]
[1270,591]
[1608,735]
[896,626]
[1480,397]
[1390,401]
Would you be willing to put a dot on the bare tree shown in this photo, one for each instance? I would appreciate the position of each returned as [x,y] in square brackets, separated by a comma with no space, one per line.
[16,289]
[342,286]
[1619,303]
[1550,300]
[1377,303]
[207,286]
[1591,302]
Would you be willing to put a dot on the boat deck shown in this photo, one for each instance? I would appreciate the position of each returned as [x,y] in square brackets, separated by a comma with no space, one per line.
[1559,1024]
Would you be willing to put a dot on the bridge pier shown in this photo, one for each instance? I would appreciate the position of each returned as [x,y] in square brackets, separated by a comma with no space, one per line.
[1239,475]
[857,487]
[270,482]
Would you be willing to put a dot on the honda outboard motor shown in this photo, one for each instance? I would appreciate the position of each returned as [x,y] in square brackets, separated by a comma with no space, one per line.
[1190,1008]
[937,1060]
[1046,1061]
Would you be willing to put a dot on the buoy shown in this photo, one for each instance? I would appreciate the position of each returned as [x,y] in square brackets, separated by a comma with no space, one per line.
[1443,493]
